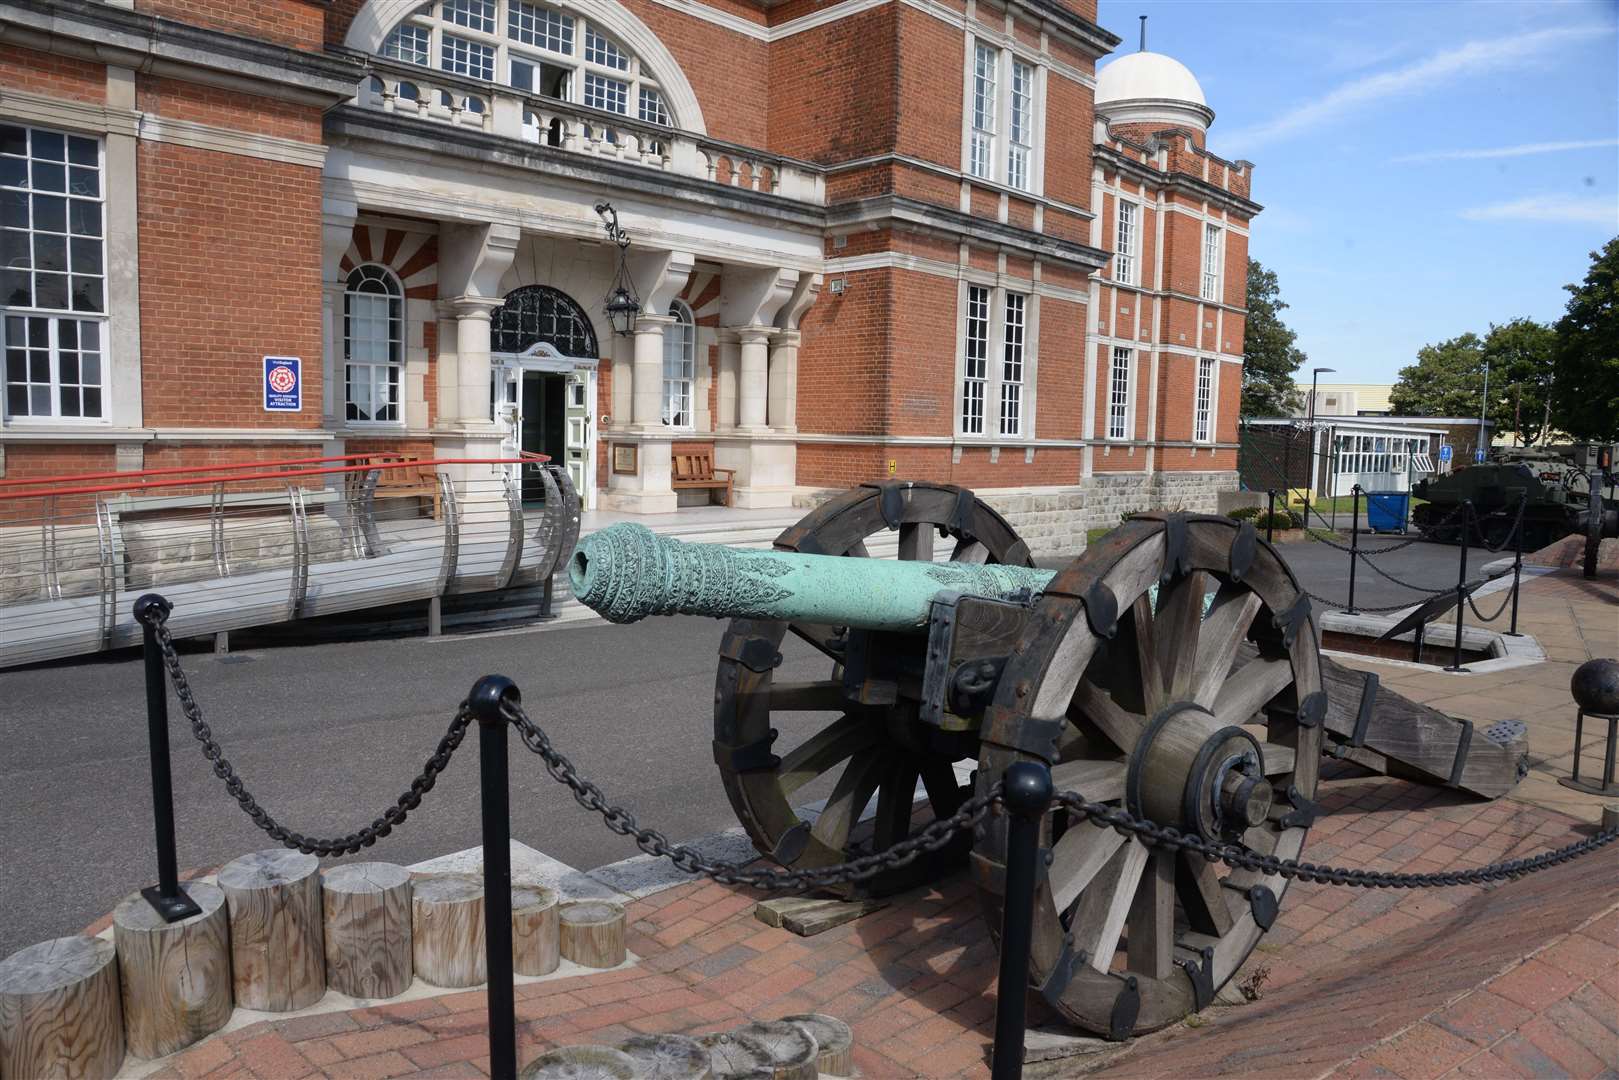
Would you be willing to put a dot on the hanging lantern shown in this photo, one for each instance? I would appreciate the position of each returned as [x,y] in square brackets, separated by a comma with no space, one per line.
[622,305]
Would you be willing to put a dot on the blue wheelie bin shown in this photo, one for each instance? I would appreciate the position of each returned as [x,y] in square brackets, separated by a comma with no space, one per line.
[1386,510]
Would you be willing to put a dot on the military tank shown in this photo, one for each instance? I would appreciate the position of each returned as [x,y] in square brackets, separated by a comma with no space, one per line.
[1558,488]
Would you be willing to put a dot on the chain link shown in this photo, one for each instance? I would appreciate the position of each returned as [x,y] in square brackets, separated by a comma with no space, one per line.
[1428,533]
[309,845]
[1517,523]
[1505,600]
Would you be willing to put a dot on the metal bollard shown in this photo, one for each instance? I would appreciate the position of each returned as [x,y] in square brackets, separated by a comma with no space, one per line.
[1270,514]
[1028,793]
[1461,586]
[166,897]
[486,698]
[1517,561]
[1354,542]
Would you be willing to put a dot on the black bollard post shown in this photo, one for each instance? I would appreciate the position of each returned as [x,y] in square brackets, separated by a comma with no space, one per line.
[1517,561]
[1461,581]
[166,897]
[1354,543]
[1270,514]
[486,698]
[1028,795]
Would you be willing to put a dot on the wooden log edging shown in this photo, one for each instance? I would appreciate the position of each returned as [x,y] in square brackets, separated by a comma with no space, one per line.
[277,929]
[368,929]
[60,1014]
[536,944]
[447,929]
[592,933]
[175,977]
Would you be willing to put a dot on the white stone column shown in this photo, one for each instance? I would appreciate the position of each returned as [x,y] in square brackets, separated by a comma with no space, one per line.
[783,404]
[647,397]
[473,367]
[449,382]
[753,383]
[623,380]
[337,233]
[725,392]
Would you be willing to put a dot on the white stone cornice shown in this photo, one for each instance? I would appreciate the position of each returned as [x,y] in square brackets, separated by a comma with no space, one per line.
[153,128]
[65,113]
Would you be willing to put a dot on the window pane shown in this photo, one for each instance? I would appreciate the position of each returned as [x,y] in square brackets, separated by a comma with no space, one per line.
[70,401]
[85,218]
[469,58]
[13,139]
[50,213]
[50,145]
[14,249]
[49,176]
[50,252]
[652,108]
[407,43]
[50,290]
[82,181]
[39,401]
[17,400]
[599,49]
[14,209]
[13,172]
[604,93]
[86,255]
[92,401]
[83,151]
[16,289]
[540,27]
[473,14]
[87,293]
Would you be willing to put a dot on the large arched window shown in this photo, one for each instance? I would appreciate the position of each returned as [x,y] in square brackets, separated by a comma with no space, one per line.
[679,366]
[537,313]
[373,340]
[535,48]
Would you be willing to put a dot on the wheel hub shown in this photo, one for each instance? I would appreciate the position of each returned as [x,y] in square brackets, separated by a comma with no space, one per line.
[1191,772]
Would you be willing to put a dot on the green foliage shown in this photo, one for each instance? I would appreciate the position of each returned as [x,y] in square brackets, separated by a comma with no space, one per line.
[1520,355]
[1243,513]
[1446,380]
[1271,354]
[1281,519]
[1585,362]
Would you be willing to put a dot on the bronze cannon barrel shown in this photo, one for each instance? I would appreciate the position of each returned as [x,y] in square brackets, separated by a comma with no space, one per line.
[626,572]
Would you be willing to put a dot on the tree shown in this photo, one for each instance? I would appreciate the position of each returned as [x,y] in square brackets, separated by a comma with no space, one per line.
[1270,355]
[1446,380]
[1520,355]
[1585,389]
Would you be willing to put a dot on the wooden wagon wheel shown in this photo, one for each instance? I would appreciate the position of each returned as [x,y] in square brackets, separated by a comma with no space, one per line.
[1145,704]
[873,741]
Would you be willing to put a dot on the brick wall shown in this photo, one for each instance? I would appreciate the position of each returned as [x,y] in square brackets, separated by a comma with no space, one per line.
[817,110]
[178,100]
[295,23]
[58,76]
[230,273]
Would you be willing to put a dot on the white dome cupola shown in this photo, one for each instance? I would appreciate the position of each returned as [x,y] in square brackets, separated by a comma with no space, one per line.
[1149,87]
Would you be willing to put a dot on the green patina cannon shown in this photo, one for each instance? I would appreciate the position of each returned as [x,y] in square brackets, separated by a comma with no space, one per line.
[1173,669]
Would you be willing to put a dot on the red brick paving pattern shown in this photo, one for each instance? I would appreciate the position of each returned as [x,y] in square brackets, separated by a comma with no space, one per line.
[1413,985]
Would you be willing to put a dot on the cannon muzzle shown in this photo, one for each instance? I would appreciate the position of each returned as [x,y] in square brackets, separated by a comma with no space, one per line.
[626,572]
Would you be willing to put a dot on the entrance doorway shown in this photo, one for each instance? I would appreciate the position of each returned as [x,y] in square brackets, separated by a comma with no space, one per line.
[541,400]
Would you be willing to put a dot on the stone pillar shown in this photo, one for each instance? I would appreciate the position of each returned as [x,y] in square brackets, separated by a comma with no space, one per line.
[472,363]
[725,392]
[783,404]
[623,380]
[753,386]
[449,381]
[337,233]
[647,397]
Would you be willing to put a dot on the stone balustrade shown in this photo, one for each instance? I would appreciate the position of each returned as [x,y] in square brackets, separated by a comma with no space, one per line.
[443,98]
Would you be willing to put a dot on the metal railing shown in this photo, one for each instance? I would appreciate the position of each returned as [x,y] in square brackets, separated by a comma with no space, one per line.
[259,543]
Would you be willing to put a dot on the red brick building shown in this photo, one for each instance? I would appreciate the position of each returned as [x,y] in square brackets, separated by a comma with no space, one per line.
[921,238]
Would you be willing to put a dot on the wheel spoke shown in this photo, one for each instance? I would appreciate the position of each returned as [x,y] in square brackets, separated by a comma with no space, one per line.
[1152,918]
[1116,722]
[858,551]
[916,541]
[844,738]
[1176,630]
[848,800]
[1248,688]
[944,790]
[1098,781]
[807,696]
[969,551]
[896,799]
[1102,908]
[1149,679]
[1202,895]
[819,635]
[1079,856]
[1224,628]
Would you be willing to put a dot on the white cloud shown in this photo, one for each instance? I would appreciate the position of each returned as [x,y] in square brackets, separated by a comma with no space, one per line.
[1522,150]
[1564,209]
[1470,59]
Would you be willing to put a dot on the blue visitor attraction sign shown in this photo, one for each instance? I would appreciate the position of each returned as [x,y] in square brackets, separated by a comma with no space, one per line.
[1444,453]
[283,384]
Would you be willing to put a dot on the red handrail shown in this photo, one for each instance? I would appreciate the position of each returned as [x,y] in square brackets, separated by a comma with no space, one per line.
[526,459]
[73,478]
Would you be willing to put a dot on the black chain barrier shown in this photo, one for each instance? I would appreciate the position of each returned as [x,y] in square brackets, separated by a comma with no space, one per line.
[155,617]
[1505,600]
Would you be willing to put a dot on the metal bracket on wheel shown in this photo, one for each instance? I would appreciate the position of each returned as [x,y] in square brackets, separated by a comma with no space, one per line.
[1289,621]
[755,654]
[1177,563]
[1243,547]
[1264,905]
[748,758]
[1126,1008]
[1312,710]
[1201,975]
[1062,972]
[961,521]
[890,501]
[1005,727]
[791,844]
[1462,746]
[1368,702]
[1304,811]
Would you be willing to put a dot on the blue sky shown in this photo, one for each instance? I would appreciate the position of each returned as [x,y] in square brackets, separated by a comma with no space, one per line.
[1425,168]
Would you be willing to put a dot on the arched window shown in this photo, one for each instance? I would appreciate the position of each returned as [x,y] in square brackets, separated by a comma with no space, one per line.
[537,313]
[679,366]
[373,340]
[537,49]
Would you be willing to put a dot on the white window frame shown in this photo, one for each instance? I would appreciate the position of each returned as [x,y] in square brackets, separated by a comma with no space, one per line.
[1205,400]
[1003,116]
[1120,376]
[1014,363]
[1213,260]
[1126,240]
[509,46]
[385,375]
[679,368]
[56,316]
[976,310]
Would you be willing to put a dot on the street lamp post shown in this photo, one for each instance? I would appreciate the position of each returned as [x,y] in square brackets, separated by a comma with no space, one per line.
[1315,381]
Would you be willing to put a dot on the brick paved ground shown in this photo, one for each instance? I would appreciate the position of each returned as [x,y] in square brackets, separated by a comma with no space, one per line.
[1518,979]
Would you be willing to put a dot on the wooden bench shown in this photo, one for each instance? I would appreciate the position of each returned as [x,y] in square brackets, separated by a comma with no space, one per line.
[694,468]
[405,480]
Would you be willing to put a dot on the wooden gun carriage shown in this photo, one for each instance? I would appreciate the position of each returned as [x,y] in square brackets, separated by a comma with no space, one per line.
[1173,669]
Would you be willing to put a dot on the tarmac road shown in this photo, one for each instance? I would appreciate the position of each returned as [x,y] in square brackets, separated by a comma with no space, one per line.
[327,736]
